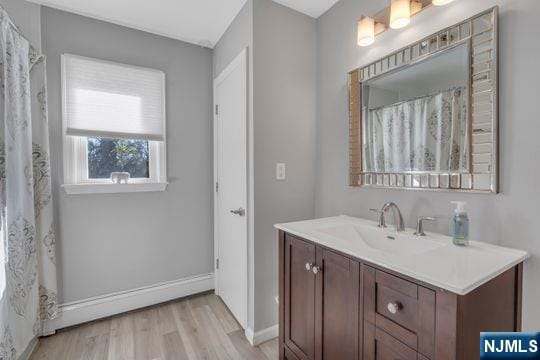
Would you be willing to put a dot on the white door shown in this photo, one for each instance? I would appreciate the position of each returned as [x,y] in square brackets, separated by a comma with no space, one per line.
[230,157]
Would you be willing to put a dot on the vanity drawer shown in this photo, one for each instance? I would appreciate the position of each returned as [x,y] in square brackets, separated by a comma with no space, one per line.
[379,345]
[401,308]
[396,306]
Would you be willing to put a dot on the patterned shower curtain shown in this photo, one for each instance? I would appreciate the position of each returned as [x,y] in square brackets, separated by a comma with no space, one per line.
[424,134]
[28,275]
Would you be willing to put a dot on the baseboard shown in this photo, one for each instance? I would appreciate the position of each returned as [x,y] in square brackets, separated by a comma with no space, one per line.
[262,336]
[29,349]
[82,311]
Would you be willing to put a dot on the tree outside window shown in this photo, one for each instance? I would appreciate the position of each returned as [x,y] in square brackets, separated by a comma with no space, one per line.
[114,155]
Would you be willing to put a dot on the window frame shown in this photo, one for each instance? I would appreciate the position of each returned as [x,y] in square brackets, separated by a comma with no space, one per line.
[75,156]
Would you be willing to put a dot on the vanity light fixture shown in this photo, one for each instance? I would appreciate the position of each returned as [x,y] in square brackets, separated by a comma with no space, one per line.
[368,28]
[416,7]
[400,13]
[441,2]
[366,31]
[396,16]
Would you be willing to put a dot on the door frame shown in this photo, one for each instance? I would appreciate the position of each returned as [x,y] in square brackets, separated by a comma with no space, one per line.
[239,60]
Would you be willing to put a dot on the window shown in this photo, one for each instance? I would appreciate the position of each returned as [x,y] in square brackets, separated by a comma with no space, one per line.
[113,155]
[113,121]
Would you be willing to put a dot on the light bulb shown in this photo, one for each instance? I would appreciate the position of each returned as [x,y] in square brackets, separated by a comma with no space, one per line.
[400,13]
[441,2]
[366,31]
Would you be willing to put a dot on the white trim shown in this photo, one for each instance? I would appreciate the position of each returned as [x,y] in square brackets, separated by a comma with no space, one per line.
[82,311]
[251,190]
[262,336]
[27,353]
[240,59]
[109,188]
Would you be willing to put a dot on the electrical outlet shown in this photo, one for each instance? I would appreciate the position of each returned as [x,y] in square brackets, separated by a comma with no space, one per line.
[280,171]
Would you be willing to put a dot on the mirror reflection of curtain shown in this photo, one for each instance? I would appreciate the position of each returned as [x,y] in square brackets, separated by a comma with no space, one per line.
[423,134]
[29,294]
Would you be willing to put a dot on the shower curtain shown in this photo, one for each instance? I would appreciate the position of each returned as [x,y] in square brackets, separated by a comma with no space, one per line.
[424,134]
[28,275]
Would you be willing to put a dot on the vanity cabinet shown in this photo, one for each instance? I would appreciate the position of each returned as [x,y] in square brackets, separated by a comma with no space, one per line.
[321,319]
[335,306]
[299,298]
[337,303]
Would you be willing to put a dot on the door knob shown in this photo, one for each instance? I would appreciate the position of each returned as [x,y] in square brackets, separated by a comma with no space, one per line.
[394,307]
[309,266]
[239,211]
[316,269]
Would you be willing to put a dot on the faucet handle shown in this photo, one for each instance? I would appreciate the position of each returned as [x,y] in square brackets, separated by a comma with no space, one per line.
[382,222]
[420,225]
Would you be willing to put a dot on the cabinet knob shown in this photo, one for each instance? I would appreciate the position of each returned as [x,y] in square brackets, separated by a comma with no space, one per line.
[309,266]
[394,307]
[316,269]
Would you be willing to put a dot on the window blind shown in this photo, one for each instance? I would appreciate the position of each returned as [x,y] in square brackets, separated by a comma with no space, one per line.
[113,100]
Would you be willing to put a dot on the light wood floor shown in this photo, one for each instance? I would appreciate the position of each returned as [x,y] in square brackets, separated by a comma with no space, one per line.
[199,327]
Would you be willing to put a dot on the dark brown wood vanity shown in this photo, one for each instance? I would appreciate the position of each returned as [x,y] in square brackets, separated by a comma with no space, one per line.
[333,306]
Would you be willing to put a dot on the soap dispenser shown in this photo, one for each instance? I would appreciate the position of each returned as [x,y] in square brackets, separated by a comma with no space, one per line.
[460,224]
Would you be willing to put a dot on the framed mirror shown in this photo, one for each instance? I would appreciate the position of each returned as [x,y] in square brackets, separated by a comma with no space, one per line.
[425,117]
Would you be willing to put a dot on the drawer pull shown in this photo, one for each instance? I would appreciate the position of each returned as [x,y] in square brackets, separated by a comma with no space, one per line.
[309,266]
[394,307]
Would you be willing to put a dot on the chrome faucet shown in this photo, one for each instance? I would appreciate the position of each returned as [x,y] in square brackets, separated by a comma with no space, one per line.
[420,225]
[398,219]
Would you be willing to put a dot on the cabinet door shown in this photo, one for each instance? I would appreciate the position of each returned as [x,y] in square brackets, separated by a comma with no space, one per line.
[299,297]
[337,307]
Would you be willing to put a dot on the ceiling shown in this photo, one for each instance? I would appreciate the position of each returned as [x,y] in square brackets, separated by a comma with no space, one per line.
[200,22]
[313,8]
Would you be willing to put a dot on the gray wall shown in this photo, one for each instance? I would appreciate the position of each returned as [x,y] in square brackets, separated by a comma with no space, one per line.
[509,218]
[27,17]
[239,35]
[284,131]
[114,242]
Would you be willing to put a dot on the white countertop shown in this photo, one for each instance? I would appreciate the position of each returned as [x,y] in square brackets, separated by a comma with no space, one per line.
[459,269]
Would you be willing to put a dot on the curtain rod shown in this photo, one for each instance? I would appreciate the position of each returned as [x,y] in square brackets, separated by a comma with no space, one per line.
[18,30]
[455,88]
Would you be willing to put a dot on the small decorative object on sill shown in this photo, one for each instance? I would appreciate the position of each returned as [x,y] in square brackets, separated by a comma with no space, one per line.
[121,153]
[120,177]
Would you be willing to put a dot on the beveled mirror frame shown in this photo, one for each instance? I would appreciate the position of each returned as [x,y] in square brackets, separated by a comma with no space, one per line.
[481,33]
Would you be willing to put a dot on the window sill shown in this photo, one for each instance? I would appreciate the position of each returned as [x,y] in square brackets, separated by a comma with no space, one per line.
[77,189]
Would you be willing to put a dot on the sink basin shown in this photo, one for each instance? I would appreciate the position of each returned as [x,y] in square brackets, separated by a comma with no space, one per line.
[432,259]
[382,239]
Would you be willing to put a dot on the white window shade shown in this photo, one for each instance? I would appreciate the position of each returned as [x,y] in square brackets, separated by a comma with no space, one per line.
[112,100]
